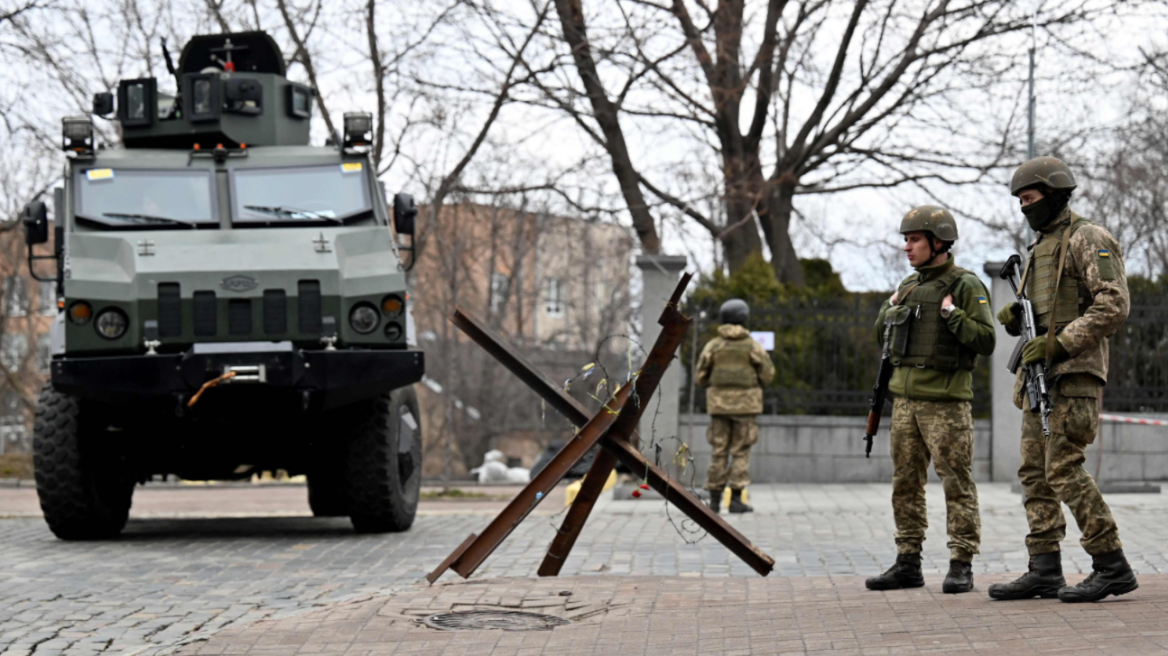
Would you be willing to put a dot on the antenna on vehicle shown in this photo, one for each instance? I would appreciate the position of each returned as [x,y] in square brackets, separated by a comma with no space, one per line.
[170,65]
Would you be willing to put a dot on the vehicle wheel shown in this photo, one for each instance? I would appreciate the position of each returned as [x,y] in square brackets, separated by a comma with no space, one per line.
[83,485]
[384,464]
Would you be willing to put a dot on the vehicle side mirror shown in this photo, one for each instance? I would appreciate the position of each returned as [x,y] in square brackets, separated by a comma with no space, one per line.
[404,213]
[36,223]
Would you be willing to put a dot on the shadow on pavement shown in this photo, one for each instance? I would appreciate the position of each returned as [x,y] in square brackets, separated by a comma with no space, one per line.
[146,530]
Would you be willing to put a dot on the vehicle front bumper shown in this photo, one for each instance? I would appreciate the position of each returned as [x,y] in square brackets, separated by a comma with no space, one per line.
[330,378]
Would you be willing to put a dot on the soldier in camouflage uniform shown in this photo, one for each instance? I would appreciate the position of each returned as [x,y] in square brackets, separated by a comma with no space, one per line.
[734,367]
[939,321]
[1076,281]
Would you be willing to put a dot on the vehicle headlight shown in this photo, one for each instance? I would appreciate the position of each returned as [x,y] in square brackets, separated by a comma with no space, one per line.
[393,331]
[111,323]
[363,318]
[80,313]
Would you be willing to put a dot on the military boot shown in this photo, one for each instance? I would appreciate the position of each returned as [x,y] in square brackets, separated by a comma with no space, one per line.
[959,579]
[736,504]
[906,573]
[1043,580]
[1111,576]
[716,500]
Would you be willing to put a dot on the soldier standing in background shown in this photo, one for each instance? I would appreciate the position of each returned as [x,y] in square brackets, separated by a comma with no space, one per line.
[941,322]
[734,367]
[1076,281]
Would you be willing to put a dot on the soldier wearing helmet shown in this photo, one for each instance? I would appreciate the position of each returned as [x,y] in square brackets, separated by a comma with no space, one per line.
[734,367]
[939,321]
[1076,281]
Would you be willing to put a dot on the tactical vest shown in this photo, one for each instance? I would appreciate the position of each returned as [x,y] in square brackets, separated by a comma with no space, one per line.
[732,365]
[930,342]
[1041,272]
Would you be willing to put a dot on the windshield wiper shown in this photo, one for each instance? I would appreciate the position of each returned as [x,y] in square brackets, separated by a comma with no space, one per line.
[147,218]
[292,212]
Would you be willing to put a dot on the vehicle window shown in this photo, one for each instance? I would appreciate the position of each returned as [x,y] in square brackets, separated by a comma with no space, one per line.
[121,197]
[316,193]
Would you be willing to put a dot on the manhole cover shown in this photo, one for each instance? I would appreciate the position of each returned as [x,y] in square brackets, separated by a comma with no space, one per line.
[508,620]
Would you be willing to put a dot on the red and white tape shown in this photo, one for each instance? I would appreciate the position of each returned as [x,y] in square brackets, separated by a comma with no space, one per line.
[1134,420]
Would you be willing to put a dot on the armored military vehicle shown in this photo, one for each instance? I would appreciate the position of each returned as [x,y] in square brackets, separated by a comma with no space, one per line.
[232,300]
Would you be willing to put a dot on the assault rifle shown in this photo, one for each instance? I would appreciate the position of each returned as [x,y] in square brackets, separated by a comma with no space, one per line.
[1036,389]
[880,391]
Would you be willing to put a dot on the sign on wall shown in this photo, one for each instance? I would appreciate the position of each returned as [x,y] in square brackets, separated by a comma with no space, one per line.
[764,337]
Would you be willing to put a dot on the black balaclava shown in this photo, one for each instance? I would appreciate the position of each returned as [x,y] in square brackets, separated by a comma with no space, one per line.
[1040,213]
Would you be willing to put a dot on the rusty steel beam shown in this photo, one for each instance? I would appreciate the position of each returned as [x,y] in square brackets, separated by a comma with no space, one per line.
[646,382]
[612,428]
[513,360]
[586,497]
[433,576]
[615,415]
[593,484]
[691,506]
[538,489]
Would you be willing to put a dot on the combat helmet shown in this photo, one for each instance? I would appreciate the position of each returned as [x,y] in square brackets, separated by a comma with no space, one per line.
[734,311]
[1049,171]
[932,219]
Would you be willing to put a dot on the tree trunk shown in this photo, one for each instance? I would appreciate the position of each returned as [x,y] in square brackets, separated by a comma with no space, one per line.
[743,179]
[776,212]
[606,114]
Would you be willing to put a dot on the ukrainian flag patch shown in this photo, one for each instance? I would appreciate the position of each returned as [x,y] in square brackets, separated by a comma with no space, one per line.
[1106,266]
[982,300]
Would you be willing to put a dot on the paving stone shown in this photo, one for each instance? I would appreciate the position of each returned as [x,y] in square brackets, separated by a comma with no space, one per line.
[171,580]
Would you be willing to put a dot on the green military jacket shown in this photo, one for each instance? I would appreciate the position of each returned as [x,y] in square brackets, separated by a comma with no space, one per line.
[1093,301]
[734,367]
[971,323]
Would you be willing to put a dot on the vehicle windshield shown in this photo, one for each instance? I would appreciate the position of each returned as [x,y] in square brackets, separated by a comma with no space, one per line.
[330,193]
[150,199]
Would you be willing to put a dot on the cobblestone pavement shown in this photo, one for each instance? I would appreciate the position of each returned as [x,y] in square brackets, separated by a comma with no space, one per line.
[167,580]
[673,616]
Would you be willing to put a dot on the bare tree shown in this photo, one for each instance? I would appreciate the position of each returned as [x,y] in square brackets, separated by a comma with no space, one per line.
[810,97]
[1127,188]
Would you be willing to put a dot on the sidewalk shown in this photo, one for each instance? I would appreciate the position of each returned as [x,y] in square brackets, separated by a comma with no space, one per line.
[678,616]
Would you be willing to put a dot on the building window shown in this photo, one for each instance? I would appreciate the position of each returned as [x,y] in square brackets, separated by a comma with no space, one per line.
[44,353]
[500,283]
[13,348]
[48,299]
[553,297]
[12,421]
[15,297]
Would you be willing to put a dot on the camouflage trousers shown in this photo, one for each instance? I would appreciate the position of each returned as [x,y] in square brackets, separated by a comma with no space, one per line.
[943,432]
[731,436]
[1052,471]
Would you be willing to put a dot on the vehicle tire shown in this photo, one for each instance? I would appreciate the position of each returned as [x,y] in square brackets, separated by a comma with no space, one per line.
[84,488]
[383,464]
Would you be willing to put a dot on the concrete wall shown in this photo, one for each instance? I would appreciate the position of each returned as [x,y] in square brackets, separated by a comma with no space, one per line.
[1007,419]
[813,449]
[1130,452]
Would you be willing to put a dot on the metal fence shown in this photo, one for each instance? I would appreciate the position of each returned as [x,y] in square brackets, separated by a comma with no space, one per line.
[825,356]
[1138,371]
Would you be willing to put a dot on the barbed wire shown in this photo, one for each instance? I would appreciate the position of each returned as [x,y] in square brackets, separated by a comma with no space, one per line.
[683,455]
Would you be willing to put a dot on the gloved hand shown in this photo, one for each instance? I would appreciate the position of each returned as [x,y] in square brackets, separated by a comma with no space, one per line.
[1010,316]
[1035,350]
